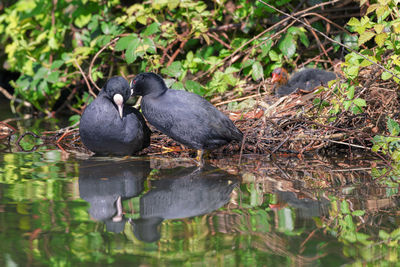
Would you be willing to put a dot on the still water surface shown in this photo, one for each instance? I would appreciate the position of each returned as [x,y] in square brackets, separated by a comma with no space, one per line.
[62,209]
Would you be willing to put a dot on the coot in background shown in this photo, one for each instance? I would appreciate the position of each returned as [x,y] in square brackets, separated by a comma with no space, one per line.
[108,126]
[183,116]
[306,79]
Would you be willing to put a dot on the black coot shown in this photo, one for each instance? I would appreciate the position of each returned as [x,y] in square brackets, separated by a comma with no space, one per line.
[108,126]
[181,193]
[306,79]
[184,116]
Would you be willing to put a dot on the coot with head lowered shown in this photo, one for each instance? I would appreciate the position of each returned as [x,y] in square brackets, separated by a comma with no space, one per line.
[183,116]
[109,127]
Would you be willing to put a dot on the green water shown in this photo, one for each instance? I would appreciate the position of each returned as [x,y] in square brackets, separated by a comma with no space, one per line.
[61,209]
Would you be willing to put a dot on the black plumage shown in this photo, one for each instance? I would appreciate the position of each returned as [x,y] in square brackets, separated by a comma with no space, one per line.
[184,116]
[109,127]
[182,193]
[306,79]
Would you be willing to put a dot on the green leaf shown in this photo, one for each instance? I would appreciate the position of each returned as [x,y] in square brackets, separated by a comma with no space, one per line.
[265,48]
[178,86]
[125,42]
[56,64]
[53,77]
[258,71]
[151,29]
[395,234]
[74,119]
[130,54]
[386,75]
[273,55]
[353,22]
[195,87]
[360,102]
[344,207]
[174,70]
[358,213]
[365,37]
[82,20]
[150,46]
[347,105]
[40,73]
[393,127]
[381,38]
[383,235]
[352,71]
[350,92]
[288,46]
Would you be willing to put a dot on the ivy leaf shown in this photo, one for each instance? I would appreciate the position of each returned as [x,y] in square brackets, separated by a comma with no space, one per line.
[258,71]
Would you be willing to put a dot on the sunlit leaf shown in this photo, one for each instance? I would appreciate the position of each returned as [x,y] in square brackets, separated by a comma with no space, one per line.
[288,46]
[258,71]
[365,37]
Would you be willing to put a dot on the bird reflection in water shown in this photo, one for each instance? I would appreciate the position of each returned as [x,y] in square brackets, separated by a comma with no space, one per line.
[181,193]
[305,207]
[104,184]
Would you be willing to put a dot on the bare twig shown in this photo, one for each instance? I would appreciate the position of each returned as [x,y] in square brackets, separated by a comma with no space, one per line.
[261,34]
[177,51]
[84,77]
[10,97]
[94,59]
[327,37]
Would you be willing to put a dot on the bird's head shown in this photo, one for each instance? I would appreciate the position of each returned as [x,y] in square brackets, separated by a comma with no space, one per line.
[280,76]
[148,83]
[118,91]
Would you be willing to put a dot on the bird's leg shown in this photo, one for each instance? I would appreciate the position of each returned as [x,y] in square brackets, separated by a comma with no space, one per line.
[118,217]
[199,158]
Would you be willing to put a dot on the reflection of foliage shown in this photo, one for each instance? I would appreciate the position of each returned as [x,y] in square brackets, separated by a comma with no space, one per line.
[45,221]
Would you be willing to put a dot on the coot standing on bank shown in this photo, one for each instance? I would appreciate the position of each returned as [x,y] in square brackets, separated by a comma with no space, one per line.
[306,79]
[109,127]
[183,116]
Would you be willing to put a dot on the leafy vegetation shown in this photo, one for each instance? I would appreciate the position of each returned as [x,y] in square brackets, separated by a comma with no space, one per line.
[203,47]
